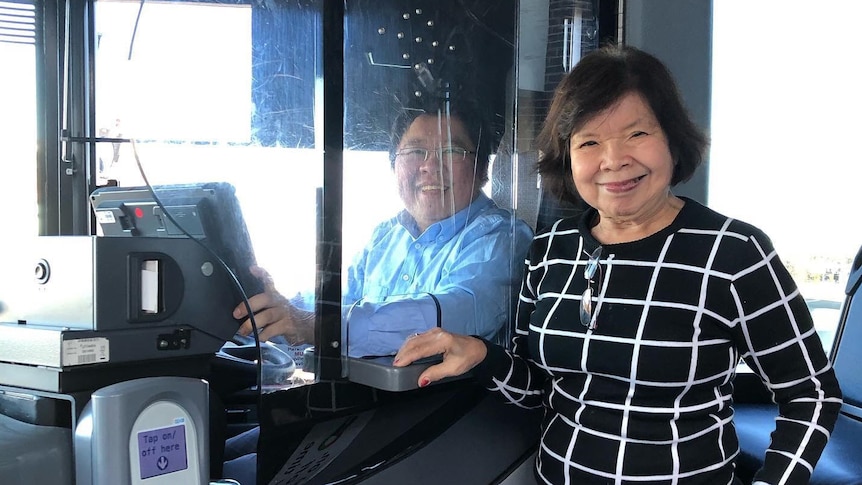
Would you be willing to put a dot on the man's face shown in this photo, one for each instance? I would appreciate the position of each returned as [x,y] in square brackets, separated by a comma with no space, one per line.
[438,186]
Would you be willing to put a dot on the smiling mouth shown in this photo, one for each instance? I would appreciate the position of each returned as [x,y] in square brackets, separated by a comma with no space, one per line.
[624,185]
[429,188]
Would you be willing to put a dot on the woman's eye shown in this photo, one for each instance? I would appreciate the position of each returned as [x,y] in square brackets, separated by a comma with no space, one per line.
[589,143]
[638,134]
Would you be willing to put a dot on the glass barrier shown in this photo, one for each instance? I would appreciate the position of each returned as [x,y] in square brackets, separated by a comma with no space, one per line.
[430,235]
[439,197]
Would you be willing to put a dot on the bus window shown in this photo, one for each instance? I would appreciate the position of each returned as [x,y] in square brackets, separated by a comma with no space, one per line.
[18,120]
[783,145]
[219,93]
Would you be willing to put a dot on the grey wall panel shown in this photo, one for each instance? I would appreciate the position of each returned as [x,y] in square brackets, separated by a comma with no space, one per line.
[679,32]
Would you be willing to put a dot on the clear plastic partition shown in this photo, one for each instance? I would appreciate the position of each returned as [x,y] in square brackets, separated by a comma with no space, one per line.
[441,103]
[430,235]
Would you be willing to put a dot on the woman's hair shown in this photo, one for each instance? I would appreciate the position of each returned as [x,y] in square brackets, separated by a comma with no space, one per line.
[599,81]
[470,116]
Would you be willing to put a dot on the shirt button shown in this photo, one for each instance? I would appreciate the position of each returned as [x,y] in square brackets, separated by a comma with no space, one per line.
[405,277]
[417,246]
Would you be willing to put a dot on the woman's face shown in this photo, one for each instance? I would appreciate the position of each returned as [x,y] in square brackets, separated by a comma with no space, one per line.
[437,187]
[621,162]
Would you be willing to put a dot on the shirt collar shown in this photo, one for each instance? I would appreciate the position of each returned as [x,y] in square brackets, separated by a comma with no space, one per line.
[449,227]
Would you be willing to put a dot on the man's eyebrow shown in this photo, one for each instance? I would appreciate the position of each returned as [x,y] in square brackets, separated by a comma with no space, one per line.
[422,141]
[415,141]
[463,142]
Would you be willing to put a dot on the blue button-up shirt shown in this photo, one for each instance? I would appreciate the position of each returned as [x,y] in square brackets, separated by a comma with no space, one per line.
[471,263]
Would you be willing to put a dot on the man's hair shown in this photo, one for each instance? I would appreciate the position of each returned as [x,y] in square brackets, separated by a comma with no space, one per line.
[472,119]
[599,81]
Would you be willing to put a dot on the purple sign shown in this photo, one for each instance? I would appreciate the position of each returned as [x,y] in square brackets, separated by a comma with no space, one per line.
[162,451]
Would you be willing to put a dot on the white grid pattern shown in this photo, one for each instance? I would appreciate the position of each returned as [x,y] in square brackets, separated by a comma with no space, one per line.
[646,396]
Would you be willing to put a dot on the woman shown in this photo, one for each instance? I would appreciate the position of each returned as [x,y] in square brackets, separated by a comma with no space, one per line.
[633,316]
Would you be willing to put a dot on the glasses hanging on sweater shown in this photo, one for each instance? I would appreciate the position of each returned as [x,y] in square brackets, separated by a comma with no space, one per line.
[591,271]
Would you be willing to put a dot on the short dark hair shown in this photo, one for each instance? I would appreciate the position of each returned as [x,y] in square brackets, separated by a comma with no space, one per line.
[598,81]
[477,129]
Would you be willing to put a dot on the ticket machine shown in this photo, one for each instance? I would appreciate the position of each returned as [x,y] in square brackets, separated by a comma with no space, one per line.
[109,338]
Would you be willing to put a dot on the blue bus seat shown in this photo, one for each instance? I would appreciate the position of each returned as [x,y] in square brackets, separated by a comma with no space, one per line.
[841,462]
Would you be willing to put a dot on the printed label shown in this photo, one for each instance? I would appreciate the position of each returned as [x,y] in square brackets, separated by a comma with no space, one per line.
[85,351]
[105,217]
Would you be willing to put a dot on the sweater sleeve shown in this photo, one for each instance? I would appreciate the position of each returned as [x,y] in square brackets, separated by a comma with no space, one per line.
[510,372]
[776,336]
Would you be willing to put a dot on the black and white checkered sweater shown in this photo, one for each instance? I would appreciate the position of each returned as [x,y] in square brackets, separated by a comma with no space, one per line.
[645,397]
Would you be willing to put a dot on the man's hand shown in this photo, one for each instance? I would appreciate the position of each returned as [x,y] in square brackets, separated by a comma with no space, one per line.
[274,315]
[460,354]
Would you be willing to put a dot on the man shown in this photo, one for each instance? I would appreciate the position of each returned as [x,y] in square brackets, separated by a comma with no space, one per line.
[450,258]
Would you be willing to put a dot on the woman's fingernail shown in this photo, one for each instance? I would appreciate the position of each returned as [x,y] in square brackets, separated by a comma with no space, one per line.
[424,382]
[396,360]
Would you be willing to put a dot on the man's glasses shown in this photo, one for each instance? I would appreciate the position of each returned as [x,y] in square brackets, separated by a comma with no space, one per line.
[587,317]
[415,156]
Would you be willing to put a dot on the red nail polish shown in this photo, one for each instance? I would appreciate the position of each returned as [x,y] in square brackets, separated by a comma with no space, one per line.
[424,382]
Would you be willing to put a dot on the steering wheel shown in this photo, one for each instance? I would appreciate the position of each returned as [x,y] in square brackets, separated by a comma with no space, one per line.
[235,365]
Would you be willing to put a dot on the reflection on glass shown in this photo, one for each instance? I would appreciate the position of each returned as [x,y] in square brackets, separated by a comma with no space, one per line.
[449,256]
[428,86]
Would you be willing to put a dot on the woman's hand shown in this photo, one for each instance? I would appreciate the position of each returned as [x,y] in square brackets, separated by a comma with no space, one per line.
[460,354]
[274,315]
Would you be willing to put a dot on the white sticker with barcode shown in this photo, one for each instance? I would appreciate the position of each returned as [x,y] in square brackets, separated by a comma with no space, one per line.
[86,351]
[105,217]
